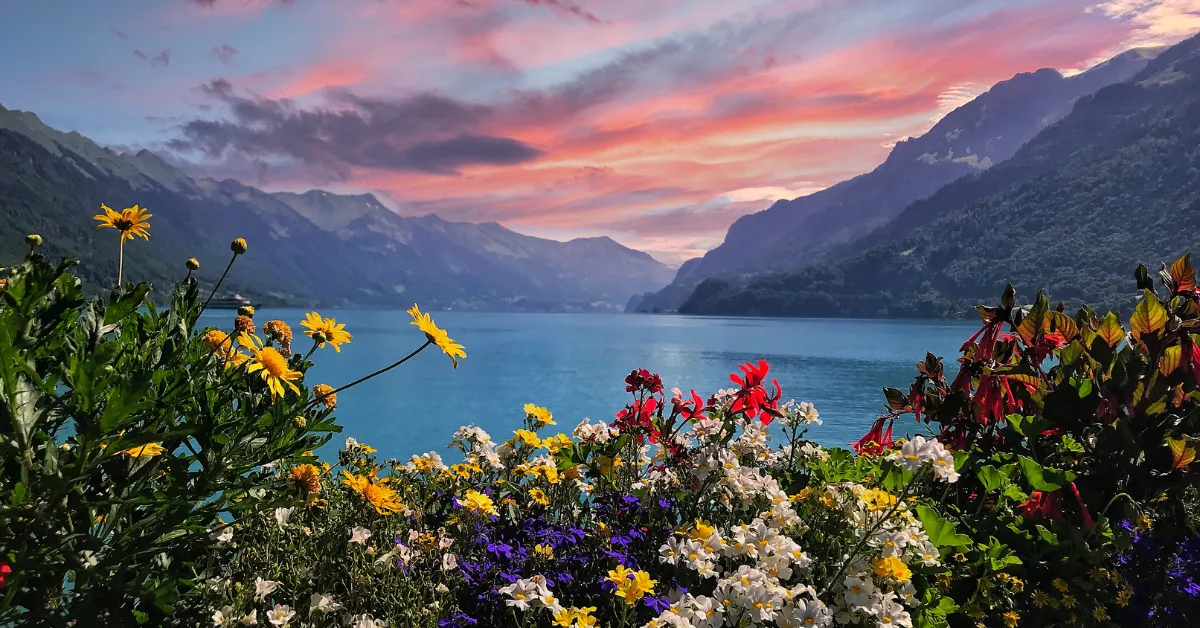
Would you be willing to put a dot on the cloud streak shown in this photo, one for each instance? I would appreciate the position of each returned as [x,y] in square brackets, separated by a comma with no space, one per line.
[658,123]
[159,60]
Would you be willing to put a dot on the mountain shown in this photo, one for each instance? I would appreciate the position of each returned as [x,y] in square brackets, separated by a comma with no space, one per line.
[967,141]
[310,248]
[1113,184]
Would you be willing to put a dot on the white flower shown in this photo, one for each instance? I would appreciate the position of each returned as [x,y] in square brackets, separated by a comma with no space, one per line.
[351,444]
[249,619]
[859,591]
[282,515]
[365,621]
[359,535]
[892,613]
[225,535]
[445,542]
[263,588]
[943,464]
[322,603]
[449,562]
[223,617]
[522,593]
[442,588]
[280,615]
[808,413]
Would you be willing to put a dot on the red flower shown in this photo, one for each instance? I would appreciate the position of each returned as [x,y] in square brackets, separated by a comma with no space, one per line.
[689,409]
[753,398]
[1042,505]
[875,441]
[638,417]
[642,379]
[5,569]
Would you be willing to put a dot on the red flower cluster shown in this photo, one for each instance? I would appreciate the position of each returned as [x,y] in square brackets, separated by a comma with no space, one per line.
[875,441]
[643,380]
[638,417]
[752,398]
[690,409]
[5,570]
[1043,505]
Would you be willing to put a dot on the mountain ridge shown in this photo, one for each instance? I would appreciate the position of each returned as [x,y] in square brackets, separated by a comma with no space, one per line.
[384,259]
[1107,187]
[970,139]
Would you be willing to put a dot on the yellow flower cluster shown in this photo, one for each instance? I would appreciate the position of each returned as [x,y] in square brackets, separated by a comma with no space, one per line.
[436,335]
[478,503]
[541,416]
[631,585]
[377,493]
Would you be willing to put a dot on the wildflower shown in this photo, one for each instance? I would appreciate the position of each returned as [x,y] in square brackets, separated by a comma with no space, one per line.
[149,450]
[1061,585]
[359,535]
[238,246]
[1041,599]
[243,324]
[436,335]
[1068,601]
[322,603]
[634,586]
[478,503]
[280,615]
[365,621]
[308,478]
[249,619]
[282,515]
[299,422]
[1011,618]
[527,437]
[225,535]
[539,496]
[263,588]
[382,497]
[273,366]
[223,617]
[1122,598]
[449,562]
[891,567]
[281,333]
[131,221]
[878,500]
[543,550]
[324,393]
[246,310]
[1100,613]
[325,330]
[541,416]
[193,264]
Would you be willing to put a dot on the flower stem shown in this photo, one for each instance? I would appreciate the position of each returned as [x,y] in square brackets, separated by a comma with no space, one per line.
[217,286]
[120,260]
[376,373]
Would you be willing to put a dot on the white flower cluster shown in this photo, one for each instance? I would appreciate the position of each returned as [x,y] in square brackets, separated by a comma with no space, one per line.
[598,432]
[477,445]
[531,593]
[690,611]
[919,452]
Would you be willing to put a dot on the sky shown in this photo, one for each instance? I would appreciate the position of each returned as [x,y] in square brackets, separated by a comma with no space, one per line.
[655,122]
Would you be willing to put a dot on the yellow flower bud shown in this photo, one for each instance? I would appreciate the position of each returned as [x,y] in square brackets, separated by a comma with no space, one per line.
[193,264]
[238,246]
[33,240]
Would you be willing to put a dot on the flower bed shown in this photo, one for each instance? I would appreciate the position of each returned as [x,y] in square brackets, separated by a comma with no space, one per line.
[154,472]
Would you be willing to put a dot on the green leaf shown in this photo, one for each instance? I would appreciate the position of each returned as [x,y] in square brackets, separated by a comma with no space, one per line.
[991,477]
[896,398]
[940,531]
[1046,535]
[18,494]
[125,399]
[1042,478]
[126,303]
[1149,317]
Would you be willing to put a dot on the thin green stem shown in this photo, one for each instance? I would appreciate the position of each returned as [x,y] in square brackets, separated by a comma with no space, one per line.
[369,376]
[218,285]
[120,260]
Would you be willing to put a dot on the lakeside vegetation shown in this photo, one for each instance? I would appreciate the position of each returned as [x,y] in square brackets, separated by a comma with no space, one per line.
[153,472]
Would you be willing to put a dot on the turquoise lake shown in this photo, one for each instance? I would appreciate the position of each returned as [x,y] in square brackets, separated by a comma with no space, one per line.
[575,364]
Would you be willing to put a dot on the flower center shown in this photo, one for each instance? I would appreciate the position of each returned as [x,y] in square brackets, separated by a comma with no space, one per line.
[123,224]
[274,362]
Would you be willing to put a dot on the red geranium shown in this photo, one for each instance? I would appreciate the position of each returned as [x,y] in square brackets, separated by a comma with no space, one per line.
[753,399]
[641,379]
[5,569]
[689,409]
[638,417]
[875,441]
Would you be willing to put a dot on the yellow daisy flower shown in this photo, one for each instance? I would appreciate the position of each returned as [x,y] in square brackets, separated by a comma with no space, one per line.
[131,221]
[274,367]
[149,450]
[325,330]
[436,335]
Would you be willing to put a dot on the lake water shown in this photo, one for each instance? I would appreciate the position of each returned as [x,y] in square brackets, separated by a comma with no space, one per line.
[575,365]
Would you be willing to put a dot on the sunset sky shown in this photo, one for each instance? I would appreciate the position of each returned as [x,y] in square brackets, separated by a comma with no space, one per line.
[656,122]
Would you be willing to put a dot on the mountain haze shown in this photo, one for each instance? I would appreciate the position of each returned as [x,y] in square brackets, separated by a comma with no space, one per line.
[310,248]
[1113,184]
[969,140]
